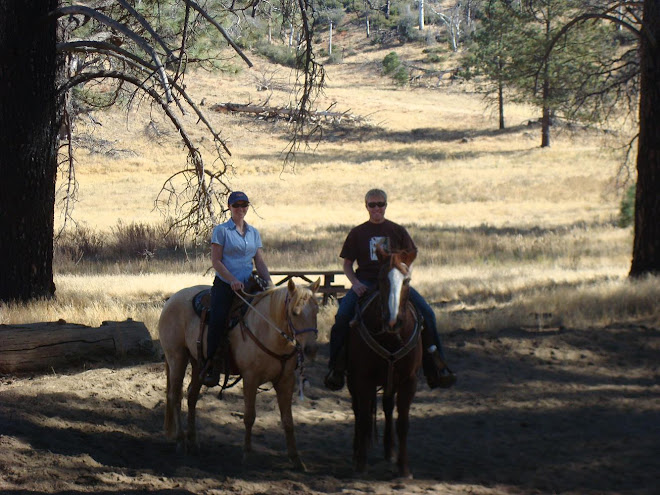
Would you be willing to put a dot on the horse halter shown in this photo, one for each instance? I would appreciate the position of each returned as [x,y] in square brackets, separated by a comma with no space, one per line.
[289,338]
[295,331]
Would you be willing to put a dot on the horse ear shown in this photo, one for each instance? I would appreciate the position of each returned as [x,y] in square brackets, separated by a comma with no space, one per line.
[291,286]
[381,253]
[408,257]
[315,286]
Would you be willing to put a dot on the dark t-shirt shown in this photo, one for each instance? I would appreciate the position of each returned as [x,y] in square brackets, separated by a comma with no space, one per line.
[361,242]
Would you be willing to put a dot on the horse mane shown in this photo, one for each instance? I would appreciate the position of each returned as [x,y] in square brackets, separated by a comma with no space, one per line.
[278,301]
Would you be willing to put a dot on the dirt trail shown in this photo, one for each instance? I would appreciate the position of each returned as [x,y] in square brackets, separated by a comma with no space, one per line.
[535,411]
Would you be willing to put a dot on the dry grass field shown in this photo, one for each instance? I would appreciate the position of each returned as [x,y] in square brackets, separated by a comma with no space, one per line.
[520,256]
[497,218]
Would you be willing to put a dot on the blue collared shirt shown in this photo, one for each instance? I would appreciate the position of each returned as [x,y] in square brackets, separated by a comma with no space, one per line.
[238,250]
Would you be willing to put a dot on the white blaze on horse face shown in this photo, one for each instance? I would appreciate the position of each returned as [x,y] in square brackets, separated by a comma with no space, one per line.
[396,279]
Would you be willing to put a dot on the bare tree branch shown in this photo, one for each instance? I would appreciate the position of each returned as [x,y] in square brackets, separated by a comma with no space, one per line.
[143,22]
[80,9]
[206,16]
[202,210]
[138,63]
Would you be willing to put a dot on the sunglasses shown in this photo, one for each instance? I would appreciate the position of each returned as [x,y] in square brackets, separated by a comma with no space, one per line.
[379,204]
[240,205]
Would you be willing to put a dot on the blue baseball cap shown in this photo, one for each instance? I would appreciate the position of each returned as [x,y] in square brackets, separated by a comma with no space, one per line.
[237,196]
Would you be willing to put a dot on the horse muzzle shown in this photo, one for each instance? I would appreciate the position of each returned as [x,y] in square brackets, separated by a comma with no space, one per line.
[307,339]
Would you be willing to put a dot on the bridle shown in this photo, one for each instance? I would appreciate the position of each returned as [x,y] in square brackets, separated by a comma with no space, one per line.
[371,341]
[292,338]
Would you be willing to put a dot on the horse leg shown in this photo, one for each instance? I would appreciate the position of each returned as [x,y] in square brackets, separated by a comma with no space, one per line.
[404,399]
[249,413]
[175,369]
[284,390]
[388,435]
[363,404]
[192,442]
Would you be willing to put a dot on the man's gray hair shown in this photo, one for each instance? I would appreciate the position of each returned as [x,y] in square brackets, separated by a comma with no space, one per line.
[375,192]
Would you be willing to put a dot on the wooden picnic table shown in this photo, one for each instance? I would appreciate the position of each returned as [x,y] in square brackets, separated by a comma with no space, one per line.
[328,286]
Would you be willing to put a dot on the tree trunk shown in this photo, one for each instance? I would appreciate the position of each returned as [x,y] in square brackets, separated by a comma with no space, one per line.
[545,119]
[421,15]
[29,124]
[500,102]
[646,246]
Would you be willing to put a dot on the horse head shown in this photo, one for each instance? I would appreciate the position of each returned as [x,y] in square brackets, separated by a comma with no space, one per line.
[302,314]
[393,281]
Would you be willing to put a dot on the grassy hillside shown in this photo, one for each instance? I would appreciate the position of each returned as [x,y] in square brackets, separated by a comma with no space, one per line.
[506,230]
[440,137]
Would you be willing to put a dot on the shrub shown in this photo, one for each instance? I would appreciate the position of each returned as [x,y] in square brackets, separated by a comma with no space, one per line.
[434,58]
[393,67]
[401,76]
[83,243]
[135,239]
[408,29]
[336,57]
[391,63]
[627,207]
[279,54]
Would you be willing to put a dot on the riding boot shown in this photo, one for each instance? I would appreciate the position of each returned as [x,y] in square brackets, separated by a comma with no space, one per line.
[210,374]
[436,371]
[334,380]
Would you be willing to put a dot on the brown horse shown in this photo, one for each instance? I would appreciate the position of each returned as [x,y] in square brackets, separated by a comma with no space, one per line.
[385,349]
[277,330]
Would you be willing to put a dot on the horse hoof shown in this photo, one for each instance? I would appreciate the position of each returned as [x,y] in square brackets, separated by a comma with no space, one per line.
[299,465]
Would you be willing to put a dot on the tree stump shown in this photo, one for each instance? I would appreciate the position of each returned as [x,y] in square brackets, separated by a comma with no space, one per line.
[50,345]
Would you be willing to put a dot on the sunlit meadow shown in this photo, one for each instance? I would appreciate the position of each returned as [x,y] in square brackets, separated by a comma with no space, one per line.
[508,233]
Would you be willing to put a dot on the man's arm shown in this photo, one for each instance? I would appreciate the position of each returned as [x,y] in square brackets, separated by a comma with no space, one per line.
[358,287]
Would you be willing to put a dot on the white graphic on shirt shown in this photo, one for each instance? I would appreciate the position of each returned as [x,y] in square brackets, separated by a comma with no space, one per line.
[374,242]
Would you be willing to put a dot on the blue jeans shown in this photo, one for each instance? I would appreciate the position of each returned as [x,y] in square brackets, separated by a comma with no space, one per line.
[222,296]
[429,318]
[346,312]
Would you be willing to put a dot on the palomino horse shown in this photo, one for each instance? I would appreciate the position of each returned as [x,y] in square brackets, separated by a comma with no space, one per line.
[385,349]
[282,322]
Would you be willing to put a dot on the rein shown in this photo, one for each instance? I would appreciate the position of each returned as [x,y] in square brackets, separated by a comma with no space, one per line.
[282,358]
[390,357]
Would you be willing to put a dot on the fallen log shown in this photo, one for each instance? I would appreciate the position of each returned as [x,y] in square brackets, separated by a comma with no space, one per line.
[50,345]
[281,112]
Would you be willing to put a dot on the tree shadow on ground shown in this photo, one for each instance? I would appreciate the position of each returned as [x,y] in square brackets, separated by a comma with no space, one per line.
[533,423]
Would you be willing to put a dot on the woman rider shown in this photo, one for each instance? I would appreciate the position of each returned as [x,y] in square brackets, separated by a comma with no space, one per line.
[236,250]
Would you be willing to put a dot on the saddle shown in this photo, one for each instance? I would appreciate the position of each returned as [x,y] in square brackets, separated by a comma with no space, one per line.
[201,303]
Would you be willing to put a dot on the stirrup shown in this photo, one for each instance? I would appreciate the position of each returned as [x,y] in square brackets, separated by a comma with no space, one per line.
[211,369]
[211,376]
[443,378]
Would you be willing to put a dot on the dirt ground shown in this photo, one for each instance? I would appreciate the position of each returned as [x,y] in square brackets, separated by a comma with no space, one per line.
[535,411]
